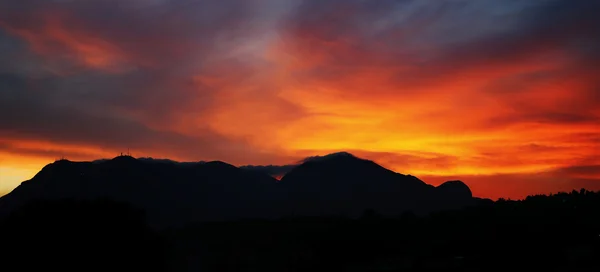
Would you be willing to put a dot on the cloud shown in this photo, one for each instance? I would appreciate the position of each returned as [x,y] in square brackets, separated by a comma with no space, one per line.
[443,77]
[26,114]
[421,50]
[156,50]
[45,151]
[498,88]
[144,79]
[582,171]
[100,34]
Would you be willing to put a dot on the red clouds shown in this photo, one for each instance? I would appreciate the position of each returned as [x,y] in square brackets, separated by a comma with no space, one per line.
[485,91]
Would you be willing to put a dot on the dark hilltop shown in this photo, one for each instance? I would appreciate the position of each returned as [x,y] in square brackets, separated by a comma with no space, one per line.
[330,213]
[173,194]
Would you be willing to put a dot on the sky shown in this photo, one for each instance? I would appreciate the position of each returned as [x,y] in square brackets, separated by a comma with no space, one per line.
[502,94]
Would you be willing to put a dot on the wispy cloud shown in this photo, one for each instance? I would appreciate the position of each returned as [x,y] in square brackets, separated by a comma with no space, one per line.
[432,88]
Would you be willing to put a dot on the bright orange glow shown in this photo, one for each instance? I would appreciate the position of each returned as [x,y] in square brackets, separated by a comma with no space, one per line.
[15,169]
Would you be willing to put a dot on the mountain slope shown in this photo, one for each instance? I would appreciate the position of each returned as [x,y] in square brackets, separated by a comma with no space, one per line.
[343,184]
[176,193]
[169,192]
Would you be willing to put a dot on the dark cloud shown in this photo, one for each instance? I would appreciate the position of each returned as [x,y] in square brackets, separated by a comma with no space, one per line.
[549,25]
[43,152]
[161,35]
[120,74]
[587,171]
[155,49]
[27,115]
[429,41]
[547,117]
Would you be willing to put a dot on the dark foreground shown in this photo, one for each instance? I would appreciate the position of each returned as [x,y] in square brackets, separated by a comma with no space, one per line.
[542,233]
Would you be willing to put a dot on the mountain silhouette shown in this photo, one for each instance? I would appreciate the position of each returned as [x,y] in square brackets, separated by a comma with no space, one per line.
[175,193]
[345,185]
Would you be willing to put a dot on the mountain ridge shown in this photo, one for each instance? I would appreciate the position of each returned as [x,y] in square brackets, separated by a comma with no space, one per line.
[176,193]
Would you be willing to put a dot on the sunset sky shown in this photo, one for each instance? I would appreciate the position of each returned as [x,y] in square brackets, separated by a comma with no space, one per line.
[502,94]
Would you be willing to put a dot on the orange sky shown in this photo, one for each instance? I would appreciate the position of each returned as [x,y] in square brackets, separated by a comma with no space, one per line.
[440,91]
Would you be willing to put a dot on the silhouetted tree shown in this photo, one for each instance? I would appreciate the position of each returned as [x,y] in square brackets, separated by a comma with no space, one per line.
[540,233]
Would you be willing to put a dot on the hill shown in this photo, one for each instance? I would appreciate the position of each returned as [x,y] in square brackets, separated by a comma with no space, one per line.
[174,193]
[345,185]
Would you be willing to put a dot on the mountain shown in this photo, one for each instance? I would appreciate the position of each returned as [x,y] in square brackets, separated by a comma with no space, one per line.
[170,193]
[175,193]
[343,184]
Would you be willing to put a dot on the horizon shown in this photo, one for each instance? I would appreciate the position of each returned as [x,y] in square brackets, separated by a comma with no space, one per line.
[279,171]
[502,95]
